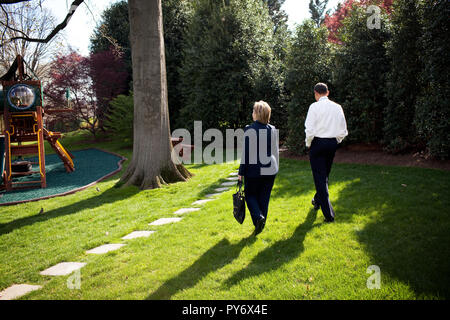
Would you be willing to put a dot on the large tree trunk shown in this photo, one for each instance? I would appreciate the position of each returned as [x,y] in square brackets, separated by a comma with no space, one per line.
[151,165]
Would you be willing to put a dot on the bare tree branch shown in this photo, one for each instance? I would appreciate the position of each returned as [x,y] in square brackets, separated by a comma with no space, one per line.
[12,1]
[58,28]
[31,20]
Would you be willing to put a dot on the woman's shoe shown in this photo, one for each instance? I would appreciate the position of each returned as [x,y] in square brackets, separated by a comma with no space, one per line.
[260,225]
[316,205]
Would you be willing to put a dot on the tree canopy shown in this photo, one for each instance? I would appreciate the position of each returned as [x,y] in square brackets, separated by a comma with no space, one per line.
[317,9]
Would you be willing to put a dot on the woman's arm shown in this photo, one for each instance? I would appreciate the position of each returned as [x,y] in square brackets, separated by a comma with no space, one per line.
[244,155]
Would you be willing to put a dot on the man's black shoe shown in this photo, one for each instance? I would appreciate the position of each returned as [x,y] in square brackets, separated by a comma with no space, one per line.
[328,221]
[260,225]
[316,205]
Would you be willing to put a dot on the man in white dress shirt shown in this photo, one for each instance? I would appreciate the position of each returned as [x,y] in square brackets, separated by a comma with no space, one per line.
[325,128]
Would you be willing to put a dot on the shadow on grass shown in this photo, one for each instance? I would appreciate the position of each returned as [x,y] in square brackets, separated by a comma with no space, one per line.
[216,257]
[406,229]
[278,254]
[293,180]
[109,196]
[409,239]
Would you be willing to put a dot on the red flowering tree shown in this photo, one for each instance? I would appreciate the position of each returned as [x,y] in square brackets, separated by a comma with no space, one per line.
[71,73]
[334,21]
[92,82]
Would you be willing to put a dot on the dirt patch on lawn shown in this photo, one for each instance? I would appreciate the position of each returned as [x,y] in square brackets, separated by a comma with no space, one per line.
[374,155]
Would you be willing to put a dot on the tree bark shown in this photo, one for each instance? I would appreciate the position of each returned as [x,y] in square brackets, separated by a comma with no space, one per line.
[151,165]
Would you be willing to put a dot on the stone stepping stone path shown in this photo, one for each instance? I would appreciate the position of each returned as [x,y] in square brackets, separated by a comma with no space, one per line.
[17,291]
[138,234]
[63,269]
[105,248]
[212,195]
[66,268]
[228,184]
[164,221]
[186,210]
[201,202]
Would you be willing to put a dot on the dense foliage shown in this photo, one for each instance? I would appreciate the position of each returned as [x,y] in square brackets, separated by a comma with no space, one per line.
[229,63]
[359,76]
[112,32]
[433,105]
[120,118]
[221,56]
[403,83]
[109,79]
[334,22]
[308,63]
[317,9]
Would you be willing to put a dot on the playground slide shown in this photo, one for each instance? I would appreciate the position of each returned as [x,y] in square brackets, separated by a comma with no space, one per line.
[64,155]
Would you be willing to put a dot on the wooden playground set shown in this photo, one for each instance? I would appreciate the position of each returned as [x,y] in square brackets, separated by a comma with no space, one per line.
[22,131]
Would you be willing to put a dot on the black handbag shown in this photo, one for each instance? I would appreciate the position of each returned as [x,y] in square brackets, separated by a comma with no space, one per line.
[239,204]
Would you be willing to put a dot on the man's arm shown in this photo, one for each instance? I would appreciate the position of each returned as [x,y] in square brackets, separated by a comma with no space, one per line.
[342,128]
[309,127]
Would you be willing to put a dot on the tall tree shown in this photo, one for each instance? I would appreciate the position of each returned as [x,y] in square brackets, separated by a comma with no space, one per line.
[278,15]
[229,63]
[109,79]
[152,164]
[281,37]
[403,81]
[309,62]
[176,16]
[433,104]
[317,9]
[360,72]
[73,72]
[334,22]
[113,31]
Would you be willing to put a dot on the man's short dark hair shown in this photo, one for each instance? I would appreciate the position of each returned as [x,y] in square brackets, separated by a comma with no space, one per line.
[321,88]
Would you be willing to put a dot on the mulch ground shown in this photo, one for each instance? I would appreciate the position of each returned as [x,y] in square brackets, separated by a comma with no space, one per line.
[374,155]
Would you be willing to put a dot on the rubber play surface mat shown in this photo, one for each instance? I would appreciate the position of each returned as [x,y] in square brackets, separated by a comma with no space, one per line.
[91,165]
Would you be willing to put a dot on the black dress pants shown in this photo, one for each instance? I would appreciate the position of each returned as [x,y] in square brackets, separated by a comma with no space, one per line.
[257,196]
[321,156]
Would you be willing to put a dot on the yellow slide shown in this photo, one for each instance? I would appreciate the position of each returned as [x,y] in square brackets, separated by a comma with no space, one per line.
[64,155]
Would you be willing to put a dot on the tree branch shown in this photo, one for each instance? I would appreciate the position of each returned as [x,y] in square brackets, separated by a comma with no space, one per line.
[58,28]
[12,1]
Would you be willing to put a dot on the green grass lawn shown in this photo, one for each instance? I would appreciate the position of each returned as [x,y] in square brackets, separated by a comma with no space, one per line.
[395,218]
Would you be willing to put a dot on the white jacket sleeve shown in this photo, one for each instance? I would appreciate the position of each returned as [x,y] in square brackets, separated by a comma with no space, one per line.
[309,126]
[342,128]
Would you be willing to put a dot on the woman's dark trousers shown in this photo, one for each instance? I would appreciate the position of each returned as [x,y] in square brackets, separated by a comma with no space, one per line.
[321,155]
[257,195]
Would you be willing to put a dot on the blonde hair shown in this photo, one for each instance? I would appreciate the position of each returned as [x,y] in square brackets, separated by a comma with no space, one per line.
[262,111]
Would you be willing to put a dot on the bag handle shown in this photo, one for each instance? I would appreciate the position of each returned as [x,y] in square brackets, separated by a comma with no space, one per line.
[239,185]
